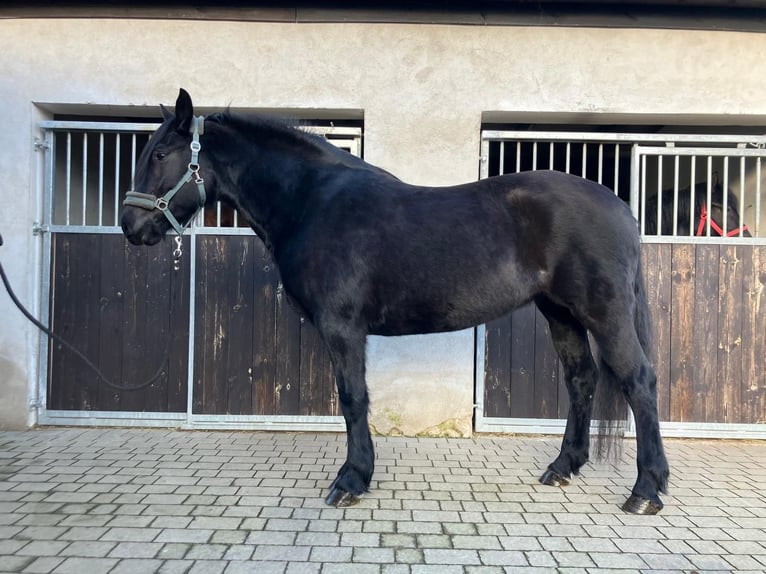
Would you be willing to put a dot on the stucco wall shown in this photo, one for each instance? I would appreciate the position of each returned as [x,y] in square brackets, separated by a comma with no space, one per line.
[423,89]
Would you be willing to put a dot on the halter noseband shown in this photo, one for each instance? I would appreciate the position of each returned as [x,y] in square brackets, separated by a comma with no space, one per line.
[152,202]
[704,217]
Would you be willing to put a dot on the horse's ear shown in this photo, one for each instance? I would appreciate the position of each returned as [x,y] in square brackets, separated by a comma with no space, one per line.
[184,112]
[166,113]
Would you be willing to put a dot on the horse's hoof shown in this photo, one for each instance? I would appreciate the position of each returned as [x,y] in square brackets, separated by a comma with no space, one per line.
[553,478]
[341,499]
[640,505]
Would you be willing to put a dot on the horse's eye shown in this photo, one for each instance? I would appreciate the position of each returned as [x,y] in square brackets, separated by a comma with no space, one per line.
[160,155]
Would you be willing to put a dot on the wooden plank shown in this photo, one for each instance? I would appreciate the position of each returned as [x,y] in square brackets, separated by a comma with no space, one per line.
[730,310]
[178,363]
[657,266]
[681,343]
[753,386]
[112,313]
[154,297]
[707,405]
[265,281]
[288,356]
[238,330]
[546,371]
[523,324]
[205,343]
[74,315]
[86,300]
[314,375]
[497,368]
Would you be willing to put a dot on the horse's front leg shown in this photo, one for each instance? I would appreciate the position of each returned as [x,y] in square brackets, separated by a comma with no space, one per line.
[347,351]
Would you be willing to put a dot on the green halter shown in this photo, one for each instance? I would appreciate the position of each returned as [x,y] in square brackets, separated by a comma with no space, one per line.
[151,202]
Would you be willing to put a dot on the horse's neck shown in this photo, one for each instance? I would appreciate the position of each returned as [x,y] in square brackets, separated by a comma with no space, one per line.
[271,195]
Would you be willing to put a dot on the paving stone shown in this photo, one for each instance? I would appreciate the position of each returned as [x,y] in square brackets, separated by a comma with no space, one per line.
[153,500]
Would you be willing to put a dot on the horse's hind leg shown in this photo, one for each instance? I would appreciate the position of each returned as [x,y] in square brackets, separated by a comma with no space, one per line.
[347,352]
[571,342]
[626,363]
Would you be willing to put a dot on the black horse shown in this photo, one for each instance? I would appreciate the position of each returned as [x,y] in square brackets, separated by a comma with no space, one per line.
[361,252]
[690,223]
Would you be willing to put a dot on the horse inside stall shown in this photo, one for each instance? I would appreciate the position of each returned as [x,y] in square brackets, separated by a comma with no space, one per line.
[361,252]
[690,224]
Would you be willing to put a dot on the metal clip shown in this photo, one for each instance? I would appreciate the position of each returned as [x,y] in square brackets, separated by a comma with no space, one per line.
[177,253]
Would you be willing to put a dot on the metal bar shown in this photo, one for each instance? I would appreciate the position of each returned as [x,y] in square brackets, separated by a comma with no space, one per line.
[616,169]
[600,162]
[98,126]
[534,156]
[635,196]
[45,277]
[101,179]
[569,157]
[759,173]
[518,157]
[659,195]
[117,176]
[132,157]
[675,194]
[192,315]
[643,194]
[741,194]
[480,338]
[668,429]
[551,152]
[724,222]
[708,198]
[84,177]
[584,172]
[714,240]
[483,163]
[501,169]
[660,139]
[693,191]
[713,152]
[68,176]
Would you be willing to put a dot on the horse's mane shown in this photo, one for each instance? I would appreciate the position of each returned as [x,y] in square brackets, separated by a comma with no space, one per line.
[293,134]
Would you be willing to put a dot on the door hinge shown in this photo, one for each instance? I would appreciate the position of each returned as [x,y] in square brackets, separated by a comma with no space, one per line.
[41,145]
[40,228]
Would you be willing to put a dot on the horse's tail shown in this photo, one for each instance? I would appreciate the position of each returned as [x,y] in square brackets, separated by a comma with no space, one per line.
[610,408]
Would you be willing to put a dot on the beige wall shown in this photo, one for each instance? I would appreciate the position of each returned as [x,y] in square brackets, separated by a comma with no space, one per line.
[423,90]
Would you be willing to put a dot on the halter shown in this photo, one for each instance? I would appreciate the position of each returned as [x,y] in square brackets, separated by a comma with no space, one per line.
[704,217]
[152,202]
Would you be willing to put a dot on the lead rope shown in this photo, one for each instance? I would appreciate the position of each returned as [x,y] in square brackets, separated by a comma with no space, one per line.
[72,348]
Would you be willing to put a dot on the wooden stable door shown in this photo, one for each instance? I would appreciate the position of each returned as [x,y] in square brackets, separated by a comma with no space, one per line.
[708,307]
[129,312]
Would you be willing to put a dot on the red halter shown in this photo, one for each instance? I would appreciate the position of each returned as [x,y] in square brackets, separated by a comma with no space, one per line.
[714,226]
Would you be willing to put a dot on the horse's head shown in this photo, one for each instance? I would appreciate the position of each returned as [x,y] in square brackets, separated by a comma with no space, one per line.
[732,214]
[168,186]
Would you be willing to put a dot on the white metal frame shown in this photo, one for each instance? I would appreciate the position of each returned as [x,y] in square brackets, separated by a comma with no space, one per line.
[642,145]
[349,138]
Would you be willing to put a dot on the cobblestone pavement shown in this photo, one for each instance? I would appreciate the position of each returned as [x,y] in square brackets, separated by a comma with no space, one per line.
[129,501]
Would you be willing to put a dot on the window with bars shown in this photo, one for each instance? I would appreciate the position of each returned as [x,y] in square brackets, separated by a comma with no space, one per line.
[92,166]
[659,175]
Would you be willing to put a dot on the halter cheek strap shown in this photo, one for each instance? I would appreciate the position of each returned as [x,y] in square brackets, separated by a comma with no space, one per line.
[704,216]
[151,202]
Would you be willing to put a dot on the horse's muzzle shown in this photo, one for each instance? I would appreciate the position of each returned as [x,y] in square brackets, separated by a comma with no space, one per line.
[139,231]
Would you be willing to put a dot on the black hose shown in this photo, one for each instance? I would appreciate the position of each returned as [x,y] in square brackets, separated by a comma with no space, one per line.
[68,345]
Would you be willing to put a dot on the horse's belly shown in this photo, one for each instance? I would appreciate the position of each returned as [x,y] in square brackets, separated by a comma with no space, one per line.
[437,315]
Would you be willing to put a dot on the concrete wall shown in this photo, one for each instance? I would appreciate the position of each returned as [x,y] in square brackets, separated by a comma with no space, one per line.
[423,89]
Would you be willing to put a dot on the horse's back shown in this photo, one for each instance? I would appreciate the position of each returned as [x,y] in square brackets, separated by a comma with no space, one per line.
[410,259]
